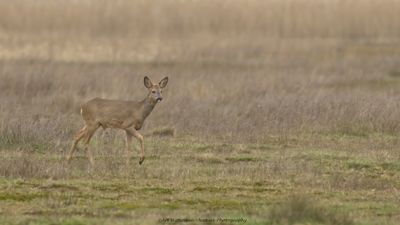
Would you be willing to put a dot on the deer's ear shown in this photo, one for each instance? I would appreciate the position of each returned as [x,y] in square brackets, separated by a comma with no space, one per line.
[147,82]
[163,82]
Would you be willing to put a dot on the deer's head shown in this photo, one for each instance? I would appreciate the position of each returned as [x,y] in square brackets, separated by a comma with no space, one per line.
[155,90]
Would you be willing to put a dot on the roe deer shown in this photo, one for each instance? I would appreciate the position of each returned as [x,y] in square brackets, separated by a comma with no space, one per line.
[125,115]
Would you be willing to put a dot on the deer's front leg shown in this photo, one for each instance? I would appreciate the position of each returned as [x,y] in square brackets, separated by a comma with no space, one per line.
[137,135]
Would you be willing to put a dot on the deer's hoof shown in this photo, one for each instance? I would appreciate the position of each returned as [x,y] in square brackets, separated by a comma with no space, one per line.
[141,160]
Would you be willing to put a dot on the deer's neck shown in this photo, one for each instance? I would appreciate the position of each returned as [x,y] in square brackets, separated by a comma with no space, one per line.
[147,106]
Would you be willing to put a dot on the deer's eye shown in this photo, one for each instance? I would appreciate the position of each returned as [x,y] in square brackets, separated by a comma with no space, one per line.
[153,92]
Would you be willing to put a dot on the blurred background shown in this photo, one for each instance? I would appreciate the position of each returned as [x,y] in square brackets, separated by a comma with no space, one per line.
[240,71]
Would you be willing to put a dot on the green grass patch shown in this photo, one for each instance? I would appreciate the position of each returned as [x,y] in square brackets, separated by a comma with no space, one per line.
[156,190]
[21,197]
[110,187]
[359,165]
[394,166]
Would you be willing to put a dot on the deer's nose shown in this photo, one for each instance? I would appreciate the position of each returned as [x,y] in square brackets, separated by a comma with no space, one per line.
[159,99]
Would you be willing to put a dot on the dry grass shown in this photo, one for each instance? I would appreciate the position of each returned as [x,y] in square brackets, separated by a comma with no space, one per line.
[266,99]
[235,103]
[171,18]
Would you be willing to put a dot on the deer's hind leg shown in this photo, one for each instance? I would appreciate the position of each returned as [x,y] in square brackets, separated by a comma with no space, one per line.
[81,133]
[88,136]
[128,140]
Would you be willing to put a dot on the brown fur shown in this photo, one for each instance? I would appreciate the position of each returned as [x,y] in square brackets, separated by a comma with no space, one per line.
[125,115]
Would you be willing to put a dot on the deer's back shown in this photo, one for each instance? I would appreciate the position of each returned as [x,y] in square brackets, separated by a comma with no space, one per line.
[110,113]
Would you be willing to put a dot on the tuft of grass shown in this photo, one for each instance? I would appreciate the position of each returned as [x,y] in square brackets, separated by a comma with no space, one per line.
[303,209]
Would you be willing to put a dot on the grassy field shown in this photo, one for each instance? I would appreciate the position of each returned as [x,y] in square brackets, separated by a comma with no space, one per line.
[276,112]
[278,182]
